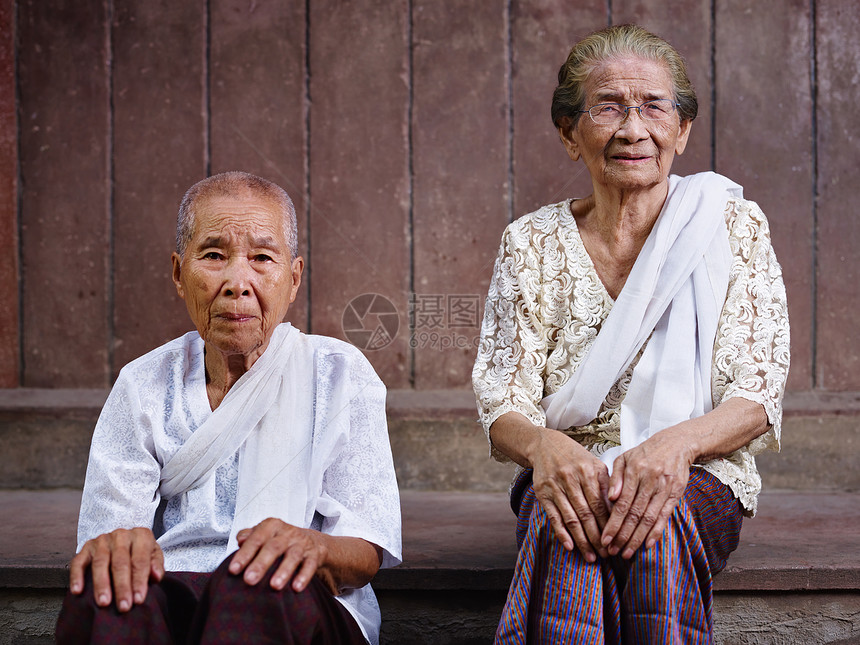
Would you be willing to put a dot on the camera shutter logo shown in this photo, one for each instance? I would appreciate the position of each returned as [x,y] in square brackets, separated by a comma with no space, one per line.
[370,321]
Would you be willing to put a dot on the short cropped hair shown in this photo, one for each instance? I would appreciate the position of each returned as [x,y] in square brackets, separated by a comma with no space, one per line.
[231,184]
[613,42]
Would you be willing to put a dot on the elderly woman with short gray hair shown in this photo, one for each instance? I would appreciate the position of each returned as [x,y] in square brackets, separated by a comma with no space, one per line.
[633,358]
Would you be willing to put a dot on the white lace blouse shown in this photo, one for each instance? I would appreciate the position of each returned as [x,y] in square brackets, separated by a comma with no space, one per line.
[546,305]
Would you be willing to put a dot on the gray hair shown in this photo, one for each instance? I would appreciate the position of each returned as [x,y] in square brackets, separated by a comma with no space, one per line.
[613,42]
[231,184]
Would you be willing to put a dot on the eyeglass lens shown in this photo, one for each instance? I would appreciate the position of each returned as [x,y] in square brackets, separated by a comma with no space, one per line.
[656,110]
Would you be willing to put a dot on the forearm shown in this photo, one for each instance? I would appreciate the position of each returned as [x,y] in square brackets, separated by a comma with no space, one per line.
[350,562]
[726,428]
[517,437]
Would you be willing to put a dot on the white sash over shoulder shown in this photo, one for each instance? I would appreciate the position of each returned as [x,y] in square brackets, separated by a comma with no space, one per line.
[268,416]
[676,290]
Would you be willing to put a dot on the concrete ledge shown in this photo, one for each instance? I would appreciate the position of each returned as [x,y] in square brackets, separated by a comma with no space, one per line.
[465,541]
[436,440]
[406,403]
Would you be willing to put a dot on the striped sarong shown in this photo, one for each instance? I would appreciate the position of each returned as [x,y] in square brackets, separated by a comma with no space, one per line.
[661,595]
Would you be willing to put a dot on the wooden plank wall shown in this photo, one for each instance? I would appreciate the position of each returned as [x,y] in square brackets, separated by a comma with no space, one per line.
[409,133]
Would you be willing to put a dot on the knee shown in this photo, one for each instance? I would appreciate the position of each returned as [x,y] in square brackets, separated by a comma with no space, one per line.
[81,620]
[223,585]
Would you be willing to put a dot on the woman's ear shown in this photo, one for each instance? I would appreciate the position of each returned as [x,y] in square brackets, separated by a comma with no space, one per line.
[565,133]
[683,136]
[177,274]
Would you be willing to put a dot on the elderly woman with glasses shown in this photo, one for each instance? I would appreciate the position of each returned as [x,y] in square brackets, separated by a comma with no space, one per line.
[633,357]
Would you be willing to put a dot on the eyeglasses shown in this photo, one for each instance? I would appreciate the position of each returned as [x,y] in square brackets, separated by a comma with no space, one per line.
[615,113]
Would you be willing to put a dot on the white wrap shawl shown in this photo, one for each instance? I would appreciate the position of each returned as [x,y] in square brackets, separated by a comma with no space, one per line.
[676,290]
[287,434]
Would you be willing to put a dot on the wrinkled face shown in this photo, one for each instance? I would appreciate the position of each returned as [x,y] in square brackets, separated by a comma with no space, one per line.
[637,154]
[236,278]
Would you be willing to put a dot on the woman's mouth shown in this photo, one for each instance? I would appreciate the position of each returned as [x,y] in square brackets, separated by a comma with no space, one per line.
[234,317]
[631,158]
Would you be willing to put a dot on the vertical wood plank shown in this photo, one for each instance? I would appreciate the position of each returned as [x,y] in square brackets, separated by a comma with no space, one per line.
[542,33]
[691,36]
[159,152]
[64,169]
[9,332]
[460,161]
[359,171]
[838,280]
[764,139]
[257,98]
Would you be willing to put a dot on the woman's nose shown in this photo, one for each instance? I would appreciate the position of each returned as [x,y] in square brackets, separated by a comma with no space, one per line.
[633,126]
[237,281]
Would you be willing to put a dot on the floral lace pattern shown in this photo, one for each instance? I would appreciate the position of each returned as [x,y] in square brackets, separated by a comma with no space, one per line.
[546,305]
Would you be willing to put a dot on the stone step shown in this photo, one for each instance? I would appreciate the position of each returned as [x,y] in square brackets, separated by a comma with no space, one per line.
[437,443]
[794,579]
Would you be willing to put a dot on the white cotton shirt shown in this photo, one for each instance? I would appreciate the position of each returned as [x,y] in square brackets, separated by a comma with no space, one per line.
[157,403]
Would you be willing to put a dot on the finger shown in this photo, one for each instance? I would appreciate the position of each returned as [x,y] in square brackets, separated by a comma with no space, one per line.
[306,572]
[573,527]
[157,563]
[557,525]
[77,570]
[596,515]
[251,544]
[266,556]
[620,516]
[286,569]
[656,532]
[120,570]
[582,517]
[635,515]
[100,568]
[616,481]
[649,518]
[141,564]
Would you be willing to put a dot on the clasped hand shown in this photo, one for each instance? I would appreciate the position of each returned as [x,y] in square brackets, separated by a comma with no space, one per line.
[603,515]
[124,561]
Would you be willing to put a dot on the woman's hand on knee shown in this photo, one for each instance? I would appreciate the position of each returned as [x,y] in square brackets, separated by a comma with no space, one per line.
[304,553]
[571,485]
[647,483]
[122,563]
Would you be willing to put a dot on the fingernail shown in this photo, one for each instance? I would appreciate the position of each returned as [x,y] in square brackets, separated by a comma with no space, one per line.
[76,588]
[123,605]
[628,554]
[138,598]
[103,599]
[606,540]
